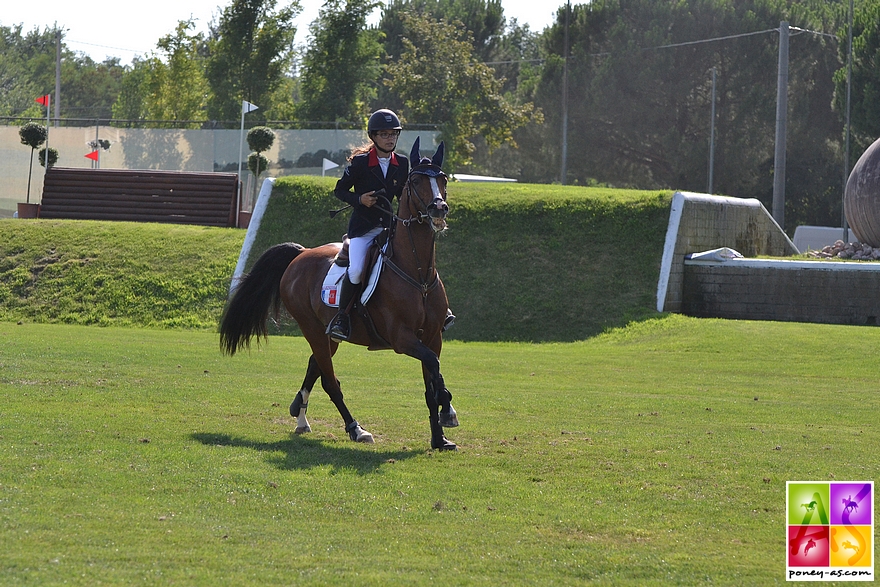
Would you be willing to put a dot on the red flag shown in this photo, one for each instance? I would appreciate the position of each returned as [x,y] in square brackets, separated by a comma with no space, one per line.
[93,155]
[43,100]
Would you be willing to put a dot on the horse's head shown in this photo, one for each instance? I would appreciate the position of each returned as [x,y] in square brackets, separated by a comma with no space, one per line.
[426,188]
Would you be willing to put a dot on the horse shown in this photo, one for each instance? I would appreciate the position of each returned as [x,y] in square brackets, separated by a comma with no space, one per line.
[406,312]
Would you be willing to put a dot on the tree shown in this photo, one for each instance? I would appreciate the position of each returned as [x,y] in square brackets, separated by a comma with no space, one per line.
[33,135]
[260,140]
[639,100]
[439,80]
[342,63]
[483,18]
[257,164]
[16,77]
[27,69]
[131,102]
[88,89]
[865,96]
[520,58]
[250,51]
[53,156]
[167,86]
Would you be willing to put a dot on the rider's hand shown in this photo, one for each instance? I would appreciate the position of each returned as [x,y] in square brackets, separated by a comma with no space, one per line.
[368,199]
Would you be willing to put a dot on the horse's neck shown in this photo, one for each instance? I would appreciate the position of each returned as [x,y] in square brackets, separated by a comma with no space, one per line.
[413,247]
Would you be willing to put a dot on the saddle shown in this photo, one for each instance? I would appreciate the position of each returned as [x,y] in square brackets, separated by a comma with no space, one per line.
[380,249]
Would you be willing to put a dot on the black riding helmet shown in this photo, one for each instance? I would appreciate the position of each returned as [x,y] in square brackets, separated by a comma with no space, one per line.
[383,119]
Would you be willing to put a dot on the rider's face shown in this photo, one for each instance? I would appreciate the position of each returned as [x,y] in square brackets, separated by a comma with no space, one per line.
[386,140]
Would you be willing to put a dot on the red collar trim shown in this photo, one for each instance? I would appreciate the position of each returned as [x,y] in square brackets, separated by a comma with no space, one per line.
[373,159]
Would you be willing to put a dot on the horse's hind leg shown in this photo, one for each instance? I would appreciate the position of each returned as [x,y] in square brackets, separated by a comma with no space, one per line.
[301,401]
[322,359]
[334,390]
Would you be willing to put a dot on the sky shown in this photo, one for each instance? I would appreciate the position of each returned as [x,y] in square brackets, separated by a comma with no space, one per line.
[111,28]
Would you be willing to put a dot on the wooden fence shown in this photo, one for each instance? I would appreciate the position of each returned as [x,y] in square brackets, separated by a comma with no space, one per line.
[176,197]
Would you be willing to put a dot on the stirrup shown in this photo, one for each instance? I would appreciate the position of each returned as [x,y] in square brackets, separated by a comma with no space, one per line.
[339,328]
[449,321]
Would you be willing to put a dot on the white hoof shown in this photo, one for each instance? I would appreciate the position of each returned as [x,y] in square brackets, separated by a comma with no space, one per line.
[449,419]
[358,434]
[365,437]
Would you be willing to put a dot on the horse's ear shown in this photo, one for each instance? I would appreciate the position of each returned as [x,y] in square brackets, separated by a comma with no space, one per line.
[415,154]
[437,159]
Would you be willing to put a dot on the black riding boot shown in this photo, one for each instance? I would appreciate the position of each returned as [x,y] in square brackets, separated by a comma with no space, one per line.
[340,328]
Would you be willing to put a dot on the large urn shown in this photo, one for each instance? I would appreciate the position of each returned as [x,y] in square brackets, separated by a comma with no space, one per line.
[861,199]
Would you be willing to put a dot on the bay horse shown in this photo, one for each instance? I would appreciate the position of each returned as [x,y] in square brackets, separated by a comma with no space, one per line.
[405,313]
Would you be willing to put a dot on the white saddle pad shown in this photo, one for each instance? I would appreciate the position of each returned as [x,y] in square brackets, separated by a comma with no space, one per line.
[333,282]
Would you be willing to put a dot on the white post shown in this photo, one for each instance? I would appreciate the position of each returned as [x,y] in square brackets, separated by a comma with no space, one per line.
[245,108]
[57,75]
[781,123]
[46,158]
[712,140]
[240,149]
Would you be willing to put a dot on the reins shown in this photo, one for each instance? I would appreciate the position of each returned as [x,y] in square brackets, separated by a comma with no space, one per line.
[422,284]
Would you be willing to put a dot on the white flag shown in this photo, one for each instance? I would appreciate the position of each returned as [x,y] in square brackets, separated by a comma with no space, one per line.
[248,107]
[329,164]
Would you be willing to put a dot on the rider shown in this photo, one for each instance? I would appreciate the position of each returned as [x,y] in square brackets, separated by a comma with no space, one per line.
[371,168]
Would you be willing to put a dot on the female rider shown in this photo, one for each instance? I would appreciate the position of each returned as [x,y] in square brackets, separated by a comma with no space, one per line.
[371,169]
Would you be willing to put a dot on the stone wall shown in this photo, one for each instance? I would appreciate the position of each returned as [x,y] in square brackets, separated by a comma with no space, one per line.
[700,222]
[796,291]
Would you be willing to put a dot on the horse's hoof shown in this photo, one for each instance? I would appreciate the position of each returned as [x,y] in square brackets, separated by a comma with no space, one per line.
[444,444]
[448,419]
[362,435]
[302,429]
[358,434]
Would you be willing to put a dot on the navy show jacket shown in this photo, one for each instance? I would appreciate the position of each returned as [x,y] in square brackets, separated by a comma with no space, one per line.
[364,174]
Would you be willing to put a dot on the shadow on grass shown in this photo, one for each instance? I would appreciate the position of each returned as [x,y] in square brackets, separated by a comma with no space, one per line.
[300,452]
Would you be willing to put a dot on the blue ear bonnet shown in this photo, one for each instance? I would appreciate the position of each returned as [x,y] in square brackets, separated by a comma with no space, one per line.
[427,166]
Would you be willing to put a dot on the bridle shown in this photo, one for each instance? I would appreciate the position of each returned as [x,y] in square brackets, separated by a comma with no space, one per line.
[438,208]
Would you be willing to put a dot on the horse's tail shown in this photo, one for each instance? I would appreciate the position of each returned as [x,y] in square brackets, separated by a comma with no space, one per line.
[247,313]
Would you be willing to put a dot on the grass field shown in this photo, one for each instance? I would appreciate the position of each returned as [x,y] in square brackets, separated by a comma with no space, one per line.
[115,273]
[651,455]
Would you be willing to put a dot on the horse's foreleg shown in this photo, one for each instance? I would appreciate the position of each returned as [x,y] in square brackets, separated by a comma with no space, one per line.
[301,401]
[435,385]
[438,399]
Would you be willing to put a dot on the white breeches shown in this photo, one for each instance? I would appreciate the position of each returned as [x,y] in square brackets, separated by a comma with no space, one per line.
[357,254]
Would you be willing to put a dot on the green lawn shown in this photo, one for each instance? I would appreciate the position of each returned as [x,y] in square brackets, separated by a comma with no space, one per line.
[115,273]
[652,455]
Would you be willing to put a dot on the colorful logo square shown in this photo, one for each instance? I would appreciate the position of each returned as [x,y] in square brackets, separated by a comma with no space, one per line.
[851,504]
[830,531]
[851,546]
[808,546]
